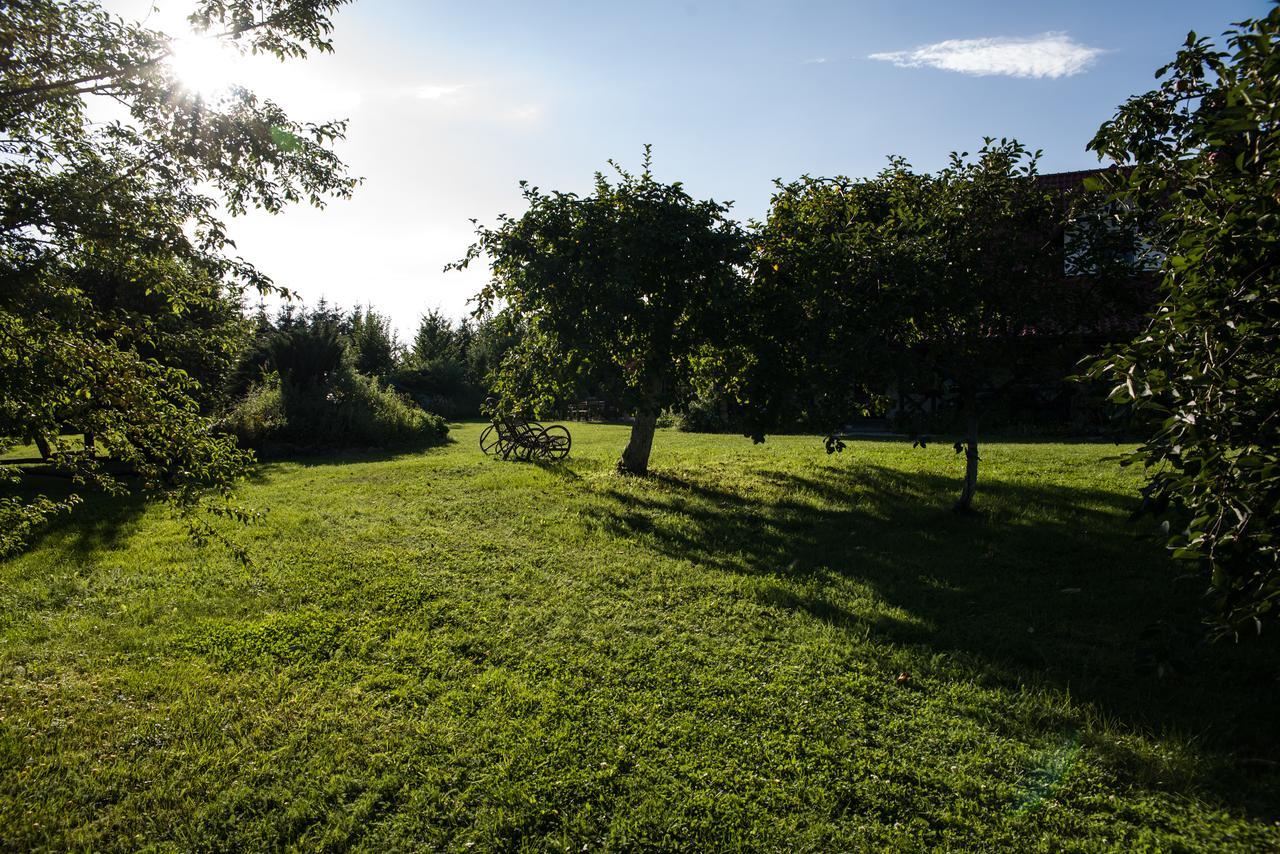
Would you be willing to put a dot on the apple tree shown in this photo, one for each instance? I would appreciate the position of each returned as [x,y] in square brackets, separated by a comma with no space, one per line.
[632,285]
[902,282]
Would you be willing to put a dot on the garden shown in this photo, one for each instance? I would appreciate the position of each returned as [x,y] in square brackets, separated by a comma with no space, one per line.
[935,509]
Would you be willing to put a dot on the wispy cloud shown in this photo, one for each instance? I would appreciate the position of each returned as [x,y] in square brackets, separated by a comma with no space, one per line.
[437,92]
[527,113]
[1046,55]
[817,60]
[504,101]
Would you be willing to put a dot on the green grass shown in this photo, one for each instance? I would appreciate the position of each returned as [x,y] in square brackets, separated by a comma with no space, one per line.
[440,650]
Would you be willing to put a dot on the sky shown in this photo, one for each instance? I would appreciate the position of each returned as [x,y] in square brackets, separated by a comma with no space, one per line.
[452,104]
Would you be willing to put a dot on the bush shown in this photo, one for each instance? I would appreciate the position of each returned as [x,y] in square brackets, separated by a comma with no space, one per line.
[259,415]
[350,411]
[706,415]
[440,385]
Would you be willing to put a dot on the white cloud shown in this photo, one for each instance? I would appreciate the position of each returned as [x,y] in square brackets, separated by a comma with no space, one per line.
[817,60]
[1046,55]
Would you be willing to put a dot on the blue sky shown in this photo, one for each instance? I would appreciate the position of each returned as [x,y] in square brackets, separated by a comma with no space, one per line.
[452,104]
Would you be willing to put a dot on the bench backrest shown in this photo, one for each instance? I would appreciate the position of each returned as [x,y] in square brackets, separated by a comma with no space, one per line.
[515,429]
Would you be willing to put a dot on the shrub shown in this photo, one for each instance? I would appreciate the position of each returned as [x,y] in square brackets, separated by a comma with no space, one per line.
[259,415]
[440,385]
[706,415]
[352,410]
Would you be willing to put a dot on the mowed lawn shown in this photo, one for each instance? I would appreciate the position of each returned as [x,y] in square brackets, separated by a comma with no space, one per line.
[437,650]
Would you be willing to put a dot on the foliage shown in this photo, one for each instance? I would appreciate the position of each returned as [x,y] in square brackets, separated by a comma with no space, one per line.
[625,288]
[344,410]
[323,336]
[810,348]
[449,368]
[314,396]
[906,282]
[492,337]
[374,346]
[255,358]
[205,340]
[1205,374]
[437,338]
[358,411]
[441,385]
[707,414]
[444,652]
[258,414]
[308,356]
[87,204]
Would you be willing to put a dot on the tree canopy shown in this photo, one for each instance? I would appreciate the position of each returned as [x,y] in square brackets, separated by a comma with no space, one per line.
[437,338]
[630,285]
[1203,378]
[901,283]
[111,171]
[374,345]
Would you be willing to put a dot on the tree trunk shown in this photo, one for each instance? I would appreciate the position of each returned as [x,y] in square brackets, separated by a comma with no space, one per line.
[42,445]
[635,457]
[965,503]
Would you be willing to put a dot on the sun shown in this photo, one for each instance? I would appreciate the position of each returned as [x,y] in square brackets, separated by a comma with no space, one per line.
[204,66]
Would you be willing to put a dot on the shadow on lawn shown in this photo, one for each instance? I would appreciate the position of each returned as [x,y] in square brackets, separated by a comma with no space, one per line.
[312,457]
[1051,586]
[100,521]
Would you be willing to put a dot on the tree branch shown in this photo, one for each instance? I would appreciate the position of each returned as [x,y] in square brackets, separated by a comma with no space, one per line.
[71,83]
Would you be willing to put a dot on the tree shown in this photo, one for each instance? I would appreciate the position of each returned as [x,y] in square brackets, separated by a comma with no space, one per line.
[85,202]
[373,342]
[630,284]
[206,340]
[492,336]
[436,338]
[1203,378]
[903,282]
[810,346]
[309,356]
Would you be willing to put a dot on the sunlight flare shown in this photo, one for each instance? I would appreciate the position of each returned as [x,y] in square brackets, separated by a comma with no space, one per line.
[204,65]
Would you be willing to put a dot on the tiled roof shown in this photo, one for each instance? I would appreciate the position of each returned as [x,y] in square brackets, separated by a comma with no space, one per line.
[1068,180]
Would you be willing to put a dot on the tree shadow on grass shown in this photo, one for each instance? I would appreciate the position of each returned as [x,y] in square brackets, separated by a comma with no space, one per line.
[557,468]
[1051,586]
[99,521]
[945,438]
[313,457]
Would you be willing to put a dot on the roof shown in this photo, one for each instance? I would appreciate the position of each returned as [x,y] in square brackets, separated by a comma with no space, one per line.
[1068,180]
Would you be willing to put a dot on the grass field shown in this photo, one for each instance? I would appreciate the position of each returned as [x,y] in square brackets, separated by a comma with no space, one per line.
[439,650]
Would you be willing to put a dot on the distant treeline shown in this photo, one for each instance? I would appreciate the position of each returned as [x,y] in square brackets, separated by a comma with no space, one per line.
[325,377]
[443,368]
